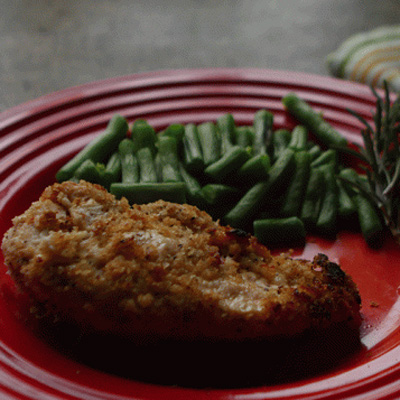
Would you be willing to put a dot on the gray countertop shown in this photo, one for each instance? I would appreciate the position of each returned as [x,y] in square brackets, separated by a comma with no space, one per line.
[48,45]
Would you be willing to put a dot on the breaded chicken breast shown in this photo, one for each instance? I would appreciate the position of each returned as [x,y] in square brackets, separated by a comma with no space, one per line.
[166,271]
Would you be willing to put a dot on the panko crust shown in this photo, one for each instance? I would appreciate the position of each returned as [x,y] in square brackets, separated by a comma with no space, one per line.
[166,271]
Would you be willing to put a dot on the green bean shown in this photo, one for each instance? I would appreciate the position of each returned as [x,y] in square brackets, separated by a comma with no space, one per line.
[315,151]
[101,169]
[281,171]
[158,165]
[176,131]
[262,125]
[326,157]
[280,141]
[248,206]
[99,149]
[87,171]
[192,153]
[210,142]
[280,231]
[244,136]
[129,164]
[217,193]
[143,135]
[113,165]
[368,216]
[312,198]
[370,222]
[170,174]
[327,218]
[219,198]
[147,167]
[255,169]
[226,127]
[294,195]
[313,120]
[347,207]
[230,162]
[142,193]
[112,171]
[298,140]
[169,159]
[351,177]
[194,193]
[254,200]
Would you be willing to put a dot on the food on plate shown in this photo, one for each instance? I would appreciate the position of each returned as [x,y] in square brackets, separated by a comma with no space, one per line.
[233,171]
[313,120]
[166,271]
[98,149]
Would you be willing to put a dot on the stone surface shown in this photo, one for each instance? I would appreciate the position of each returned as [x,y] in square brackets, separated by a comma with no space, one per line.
[48,45]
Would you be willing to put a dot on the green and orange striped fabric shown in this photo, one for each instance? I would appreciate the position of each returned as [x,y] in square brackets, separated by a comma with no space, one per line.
[369,57]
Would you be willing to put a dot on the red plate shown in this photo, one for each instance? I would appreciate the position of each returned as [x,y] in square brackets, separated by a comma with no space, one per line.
[38,137]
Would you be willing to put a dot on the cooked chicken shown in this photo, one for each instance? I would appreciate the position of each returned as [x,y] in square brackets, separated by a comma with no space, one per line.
[166,270]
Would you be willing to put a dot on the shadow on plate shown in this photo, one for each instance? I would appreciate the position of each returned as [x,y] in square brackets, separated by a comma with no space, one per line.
[210,365]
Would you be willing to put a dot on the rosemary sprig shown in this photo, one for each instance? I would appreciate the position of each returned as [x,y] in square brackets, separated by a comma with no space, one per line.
[381,157]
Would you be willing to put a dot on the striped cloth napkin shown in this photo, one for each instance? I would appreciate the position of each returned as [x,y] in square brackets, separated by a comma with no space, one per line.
[369,57]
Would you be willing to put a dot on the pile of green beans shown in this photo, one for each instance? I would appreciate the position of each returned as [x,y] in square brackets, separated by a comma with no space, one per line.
[275,183]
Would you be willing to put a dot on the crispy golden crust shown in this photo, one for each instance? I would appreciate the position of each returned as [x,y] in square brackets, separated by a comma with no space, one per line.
[166,270]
